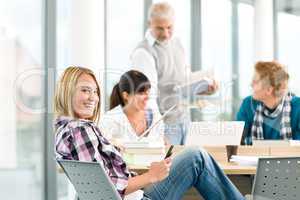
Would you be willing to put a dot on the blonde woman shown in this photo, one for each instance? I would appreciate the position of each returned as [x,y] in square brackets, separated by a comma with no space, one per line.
[78,138]
[272,112]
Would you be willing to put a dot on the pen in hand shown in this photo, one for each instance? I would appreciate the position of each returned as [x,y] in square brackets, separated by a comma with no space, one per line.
[169,153]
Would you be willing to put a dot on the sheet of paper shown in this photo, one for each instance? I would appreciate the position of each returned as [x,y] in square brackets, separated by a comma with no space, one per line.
[271,143]
[245,160]
[295,142]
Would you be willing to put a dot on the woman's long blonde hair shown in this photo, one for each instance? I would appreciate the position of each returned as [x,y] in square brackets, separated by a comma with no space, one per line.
[65,90]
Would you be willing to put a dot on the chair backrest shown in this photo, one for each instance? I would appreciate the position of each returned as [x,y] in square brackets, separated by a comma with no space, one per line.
[89,180]
[277,179]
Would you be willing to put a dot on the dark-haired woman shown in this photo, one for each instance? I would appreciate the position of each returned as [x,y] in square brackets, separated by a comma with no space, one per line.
[130,117]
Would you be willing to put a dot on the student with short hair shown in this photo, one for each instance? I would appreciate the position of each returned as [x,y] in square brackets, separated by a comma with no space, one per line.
[272,112]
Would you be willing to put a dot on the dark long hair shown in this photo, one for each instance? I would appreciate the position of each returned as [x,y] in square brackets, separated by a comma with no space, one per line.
[132,82]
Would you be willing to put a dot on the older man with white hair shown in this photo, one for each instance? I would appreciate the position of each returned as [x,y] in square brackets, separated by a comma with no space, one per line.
[160,56]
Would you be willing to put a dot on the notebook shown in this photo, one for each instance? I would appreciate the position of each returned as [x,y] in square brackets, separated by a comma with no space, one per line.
[215,133]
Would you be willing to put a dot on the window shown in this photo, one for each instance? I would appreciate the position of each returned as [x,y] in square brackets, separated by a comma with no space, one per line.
[216,55]
[288,44]
[124,31]
[21,85]
[80,42]
[246,47]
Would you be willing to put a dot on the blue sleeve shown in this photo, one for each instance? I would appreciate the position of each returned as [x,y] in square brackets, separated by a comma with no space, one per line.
[245,114]
[149,117]
[295,115]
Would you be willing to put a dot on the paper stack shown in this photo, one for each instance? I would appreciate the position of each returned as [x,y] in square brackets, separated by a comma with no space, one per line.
[294,142]
[143,153]
[245,160]
[271,143]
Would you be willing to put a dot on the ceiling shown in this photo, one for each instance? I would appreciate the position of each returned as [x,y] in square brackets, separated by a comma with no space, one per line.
[289,6]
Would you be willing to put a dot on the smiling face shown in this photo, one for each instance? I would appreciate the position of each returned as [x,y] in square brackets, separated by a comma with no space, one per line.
[161,28]
[86,97]
[137,101]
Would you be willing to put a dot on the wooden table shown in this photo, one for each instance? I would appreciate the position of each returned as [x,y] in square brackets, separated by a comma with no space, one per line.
[235,169]
[229,168]
[219,153]
[241,176]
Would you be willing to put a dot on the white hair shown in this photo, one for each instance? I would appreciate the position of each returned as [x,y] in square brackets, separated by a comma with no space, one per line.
[161,10]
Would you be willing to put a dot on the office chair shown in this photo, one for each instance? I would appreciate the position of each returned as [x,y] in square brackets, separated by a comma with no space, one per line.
[89,180]
[277,179]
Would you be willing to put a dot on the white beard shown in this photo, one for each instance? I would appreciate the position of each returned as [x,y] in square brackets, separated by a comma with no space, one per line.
[163,43]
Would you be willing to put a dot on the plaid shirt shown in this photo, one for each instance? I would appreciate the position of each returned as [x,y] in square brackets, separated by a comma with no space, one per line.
[283,110]
[82,140]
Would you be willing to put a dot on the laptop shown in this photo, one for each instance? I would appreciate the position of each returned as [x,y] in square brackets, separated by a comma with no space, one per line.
[215,133]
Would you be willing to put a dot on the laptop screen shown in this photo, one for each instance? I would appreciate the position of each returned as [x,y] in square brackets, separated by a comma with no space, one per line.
[215,133]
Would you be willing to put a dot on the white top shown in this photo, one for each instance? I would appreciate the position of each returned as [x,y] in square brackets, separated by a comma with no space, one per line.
[114,124]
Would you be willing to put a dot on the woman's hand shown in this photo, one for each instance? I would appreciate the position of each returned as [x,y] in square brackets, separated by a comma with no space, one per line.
[159,170]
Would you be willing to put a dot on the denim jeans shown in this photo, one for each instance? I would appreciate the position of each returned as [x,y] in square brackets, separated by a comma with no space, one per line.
[176,133]
[194,167]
